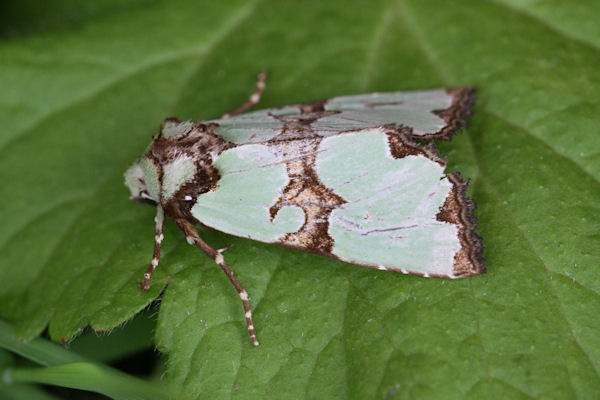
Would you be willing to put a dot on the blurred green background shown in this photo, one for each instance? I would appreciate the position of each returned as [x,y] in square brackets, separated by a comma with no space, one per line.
[85,85]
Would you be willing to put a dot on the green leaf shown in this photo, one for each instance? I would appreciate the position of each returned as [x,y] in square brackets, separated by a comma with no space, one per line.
[88,376]
[81,101]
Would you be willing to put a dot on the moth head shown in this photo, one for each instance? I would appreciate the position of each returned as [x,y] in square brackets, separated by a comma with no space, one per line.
[164,168]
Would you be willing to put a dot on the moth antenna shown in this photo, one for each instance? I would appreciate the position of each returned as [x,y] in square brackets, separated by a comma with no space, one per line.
[193,238]
[159,226]
[254,98]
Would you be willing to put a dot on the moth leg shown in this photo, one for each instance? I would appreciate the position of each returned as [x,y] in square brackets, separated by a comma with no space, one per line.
[193,238]
[159,226]
[254,98]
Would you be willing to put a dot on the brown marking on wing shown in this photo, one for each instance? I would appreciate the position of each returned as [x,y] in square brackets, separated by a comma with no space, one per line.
[458,210]
[374,104]
[298,126]
[401,144]
[315,106]
[306,191]
[456,115]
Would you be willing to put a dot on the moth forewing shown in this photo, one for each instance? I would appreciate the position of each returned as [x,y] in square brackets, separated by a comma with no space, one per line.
[342,177]
[393,198]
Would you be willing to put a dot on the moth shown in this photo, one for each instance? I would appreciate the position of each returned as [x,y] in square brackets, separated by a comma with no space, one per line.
[355,178]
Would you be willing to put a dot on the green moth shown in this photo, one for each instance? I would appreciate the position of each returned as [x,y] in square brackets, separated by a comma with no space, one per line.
[346,178]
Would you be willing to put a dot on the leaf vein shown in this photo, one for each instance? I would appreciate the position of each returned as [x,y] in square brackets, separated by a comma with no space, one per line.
[547,23]
[548,145]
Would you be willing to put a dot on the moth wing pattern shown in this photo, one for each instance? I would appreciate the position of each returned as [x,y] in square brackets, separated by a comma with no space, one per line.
[344,178]
[426,114]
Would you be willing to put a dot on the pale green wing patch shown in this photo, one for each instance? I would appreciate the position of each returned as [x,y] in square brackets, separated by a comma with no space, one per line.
[389,219]
[151,176]
[252,127]
[252,179]
[175,173]
[411,109]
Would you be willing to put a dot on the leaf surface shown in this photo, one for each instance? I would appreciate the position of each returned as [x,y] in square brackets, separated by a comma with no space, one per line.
[81,101]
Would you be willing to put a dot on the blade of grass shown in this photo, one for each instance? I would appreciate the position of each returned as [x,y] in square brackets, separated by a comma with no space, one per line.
[69,369]
[24,392]
[38,350]
[88,376]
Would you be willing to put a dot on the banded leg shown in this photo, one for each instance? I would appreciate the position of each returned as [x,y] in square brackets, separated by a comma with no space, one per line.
[159,226]
[193,238]
[254,98]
